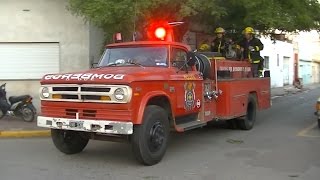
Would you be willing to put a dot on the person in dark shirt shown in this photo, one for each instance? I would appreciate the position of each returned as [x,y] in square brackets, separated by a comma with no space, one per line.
[250,48]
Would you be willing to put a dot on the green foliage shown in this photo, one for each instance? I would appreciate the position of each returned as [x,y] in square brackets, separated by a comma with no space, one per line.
[120,15]
[264,15]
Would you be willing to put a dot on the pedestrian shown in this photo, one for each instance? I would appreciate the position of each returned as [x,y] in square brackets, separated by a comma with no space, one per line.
[250,48]
[219,43]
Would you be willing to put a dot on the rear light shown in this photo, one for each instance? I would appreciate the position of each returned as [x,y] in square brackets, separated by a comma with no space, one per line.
[318,106]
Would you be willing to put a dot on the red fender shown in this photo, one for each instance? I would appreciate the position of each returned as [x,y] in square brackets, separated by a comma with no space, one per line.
[144,102]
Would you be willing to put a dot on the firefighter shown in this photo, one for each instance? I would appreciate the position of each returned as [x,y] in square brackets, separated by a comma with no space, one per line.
[250,48]
[218,44]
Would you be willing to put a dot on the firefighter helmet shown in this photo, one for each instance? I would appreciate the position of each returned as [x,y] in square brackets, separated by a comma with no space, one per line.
[219,30]
[204,47]
[248,30]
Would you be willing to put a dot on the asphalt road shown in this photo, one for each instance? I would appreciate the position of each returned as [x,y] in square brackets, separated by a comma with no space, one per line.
[284,145]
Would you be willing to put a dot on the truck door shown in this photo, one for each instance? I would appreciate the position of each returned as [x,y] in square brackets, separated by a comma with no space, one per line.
[188,85]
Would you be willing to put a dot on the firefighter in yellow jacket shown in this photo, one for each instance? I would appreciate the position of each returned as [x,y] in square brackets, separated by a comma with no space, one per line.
[250,48]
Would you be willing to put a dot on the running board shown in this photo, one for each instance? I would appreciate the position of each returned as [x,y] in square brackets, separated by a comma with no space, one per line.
[190,125]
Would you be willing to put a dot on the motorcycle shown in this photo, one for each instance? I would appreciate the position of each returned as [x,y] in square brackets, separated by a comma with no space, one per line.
[17,106]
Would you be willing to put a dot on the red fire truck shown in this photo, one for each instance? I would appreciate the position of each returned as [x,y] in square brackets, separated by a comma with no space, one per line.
[142,90]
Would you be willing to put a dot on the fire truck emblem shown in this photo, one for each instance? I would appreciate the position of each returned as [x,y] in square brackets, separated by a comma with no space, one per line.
[189,96]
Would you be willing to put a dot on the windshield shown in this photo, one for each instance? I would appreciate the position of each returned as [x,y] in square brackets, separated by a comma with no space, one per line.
[142,56]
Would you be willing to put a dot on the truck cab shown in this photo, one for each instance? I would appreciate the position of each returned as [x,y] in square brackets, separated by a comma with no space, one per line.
[142,90]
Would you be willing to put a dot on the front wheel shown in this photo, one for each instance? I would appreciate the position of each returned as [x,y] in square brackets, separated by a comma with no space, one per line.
[150,139]
[69,142]
[28,113]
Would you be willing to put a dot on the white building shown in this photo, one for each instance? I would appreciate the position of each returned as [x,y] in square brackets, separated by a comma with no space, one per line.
[39,37]
[279,59]
[309,56]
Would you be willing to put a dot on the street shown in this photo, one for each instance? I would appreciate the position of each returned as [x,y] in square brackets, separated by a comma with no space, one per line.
[284,145]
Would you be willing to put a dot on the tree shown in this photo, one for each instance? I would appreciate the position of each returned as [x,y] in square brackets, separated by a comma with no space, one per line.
[284,15]
[126,16]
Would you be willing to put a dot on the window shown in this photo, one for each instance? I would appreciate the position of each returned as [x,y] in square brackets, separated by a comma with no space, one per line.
[128,56]
[266,62]
[179,57]
[22,61]
[278,60]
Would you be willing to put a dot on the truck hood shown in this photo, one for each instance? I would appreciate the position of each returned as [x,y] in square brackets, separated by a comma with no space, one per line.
[110,75]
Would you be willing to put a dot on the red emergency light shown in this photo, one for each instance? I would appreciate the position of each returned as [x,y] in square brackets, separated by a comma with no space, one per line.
[160,33]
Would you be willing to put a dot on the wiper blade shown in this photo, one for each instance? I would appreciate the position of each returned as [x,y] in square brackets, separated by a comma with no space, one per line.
[134,63]
[111,64]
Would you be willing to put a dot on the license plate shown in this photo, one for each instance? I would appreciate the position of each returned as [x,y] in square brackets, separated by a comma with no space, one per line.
[76,124]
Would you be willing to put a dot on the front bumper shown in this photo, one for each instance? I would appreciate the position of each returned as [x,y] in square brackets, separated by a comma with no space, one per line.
[97,126]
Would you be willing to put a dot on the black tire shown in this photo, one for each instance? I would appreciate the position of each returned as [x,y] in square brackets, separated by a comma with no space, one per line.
[247,122]
[318,123]
[28,113]
[150,139]
[69,142]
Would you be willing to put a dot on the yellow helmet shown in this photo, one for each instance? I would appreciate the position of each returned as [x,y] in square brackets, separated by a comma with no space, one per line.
[204,47]
[248,30]
[219,30]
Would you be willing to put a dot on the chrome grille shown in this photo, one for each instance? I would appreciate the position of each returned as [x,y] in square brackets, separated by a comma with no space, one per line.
[85,93]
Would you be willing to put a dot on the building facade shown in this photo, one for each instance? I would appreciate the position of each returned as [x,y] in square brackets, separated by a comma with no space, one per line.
[38,37]
[279,59]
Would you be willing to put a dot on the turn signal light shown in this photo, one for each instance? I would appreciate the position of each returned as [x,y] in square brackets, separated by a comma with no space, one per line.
[318,106]
[56,96]
[105,98]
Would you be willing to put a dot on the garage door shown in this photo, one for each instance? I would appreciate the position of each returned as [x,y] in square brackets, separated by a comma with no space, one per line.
[28,60]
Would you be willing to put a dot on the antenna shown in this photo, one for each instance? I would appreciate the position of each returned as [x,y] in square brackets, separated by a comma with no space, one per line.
[134,21]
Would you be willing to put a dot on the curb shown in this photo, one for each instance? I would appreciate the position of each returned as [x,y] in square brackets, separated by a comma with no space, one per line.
[25,134]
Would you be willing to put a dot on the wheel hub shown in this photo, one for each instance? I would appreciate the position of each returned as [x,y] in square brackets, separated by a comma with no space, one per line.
[156,137]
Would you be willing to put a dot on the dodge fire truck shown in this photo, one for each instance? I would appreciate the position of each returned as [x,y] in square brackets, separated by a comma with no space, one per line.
[142,90]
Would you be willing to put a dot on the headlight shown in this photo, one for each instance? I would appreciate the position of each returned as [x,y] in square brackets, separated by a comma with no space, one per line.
[119,94]
[45,92]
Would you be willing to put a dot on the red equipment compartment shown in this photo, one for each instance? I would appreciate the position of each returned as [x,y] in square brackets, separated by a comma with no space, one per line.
[233,100]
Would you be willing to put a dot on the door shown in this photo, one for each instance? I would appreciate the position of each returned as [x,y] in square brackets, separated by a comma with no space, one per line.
[188,86]
[314,74]
[28,60]
[286,61]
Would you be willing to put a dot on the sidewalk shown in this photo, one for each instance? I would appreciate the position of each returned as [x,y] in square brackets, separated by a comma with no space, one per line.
[15,127]
[290,89]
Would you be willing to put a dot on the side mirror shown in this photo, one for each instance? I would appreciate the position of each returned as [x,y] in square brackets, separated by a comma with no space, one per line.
[191,58]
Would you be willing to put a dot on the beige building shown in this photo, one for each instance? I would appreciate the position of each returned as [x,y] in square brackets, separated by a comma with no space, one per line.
[39,37]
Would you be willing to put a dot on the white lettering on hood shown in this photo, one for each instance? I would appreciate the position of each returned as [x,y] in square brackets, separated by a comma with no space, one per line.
[84,76]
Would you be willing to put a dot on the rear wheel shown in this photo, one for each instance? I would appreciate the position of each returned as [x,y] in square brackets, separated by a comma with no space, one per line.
[69,142]
[150,139]
[249,119]
[319,123]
